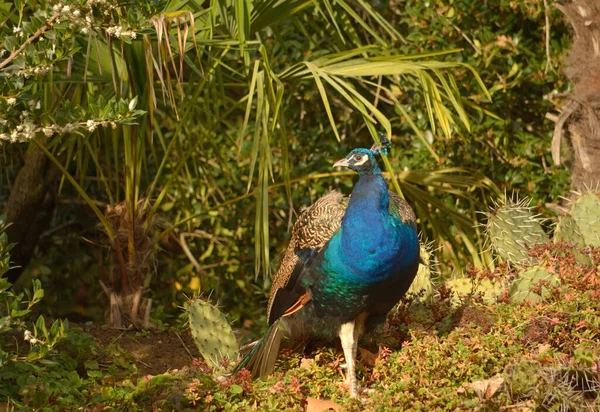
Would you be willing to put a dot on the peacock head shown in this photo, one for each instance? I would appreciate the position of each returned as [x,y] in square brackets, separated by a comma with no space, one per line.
[361,161]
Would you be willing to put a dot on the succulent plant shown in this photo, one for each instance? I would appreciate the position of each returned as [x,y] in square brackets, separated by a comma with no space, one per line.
[550,388]
[585,211]
[511,228]
[567,230]
[522,287]
[212,333]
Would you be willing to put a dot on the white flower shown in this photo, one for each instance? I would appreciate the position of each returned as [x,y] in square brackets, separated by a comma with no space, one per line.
[28,336]
[11,101]
[91,125]
[3,137]
[76,13]
[48,131]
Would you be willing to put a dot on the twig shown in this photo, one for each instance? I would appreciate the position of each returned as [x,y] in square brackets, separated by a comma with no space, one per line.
[147,313]
[378,93]
[547,28]
[184,347]
[571,107]
[30,40]
[477,49]
[105,288]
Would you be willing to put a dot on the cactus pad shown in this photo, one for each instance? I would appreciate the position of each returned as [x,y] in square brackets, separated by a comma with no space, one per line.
[422,287]
[586,213]
[489,291]
[522,287]
[511,228]
[567,230]
[212,333]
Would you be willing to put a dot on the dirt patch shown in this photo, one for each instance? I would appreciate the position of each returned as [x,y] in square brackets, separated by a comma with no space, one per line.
[153,352]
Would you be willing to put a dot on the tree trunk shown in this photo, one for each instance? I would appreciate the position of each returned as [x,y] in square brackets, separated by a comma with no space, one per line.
[29,207]
[581,115]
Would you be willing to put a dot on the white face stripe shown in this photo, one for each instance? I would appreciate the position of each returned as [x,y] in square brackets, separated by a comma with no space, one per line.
[364,159]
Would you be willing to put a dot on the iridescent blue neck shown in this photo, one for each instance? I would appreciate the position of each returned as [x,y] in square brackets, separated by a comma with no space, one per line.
[369,198]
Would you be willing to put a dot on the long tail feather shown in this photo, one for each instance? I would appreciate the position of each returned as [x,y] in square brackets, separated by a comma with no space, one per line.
[261,358]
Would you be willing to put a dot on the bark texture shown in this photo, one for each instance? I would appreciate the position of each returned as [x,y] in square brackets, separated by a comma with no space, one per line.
[580,117]
[30,207]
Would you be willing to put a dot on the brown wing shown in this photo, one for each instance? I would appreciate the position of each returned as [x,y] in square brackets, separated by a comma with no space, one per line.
[400,207]
[314,227]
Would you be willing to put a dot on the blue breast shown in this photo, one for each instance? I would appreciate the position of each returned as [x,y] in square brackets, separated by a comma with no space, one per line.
[372,244]
[374,254]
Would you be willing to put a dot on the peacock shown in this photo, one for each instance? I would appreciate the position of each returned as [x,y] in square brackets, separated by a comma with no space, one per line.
[349,261]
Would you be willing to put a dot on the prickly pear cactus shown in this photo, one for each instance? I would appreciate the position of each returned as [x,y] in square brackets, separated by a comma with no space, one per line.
[212,333]
[422,287]
[586,213]
[489,291]
[522,287]
[567,230]
[512,227]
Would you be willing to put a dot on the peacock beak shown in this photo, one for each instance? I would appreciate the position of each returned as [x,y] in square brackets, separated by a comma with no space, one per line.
[342,163]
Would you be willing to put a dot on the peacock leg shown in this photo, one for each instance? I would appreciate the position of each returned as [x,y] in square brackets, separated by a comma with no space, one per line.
[349,340]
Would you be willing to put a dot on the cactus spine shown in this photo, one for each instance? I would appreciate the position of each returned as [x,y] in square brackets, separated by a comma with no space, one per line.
[511,228]
[422,286]
[525,284]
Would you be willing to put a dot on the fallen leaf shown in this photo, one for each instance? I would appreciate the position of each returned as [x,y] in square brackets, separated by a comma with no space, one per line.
[307,363]
[543,348]
[367,357]
[321,405]
[486,388]
[504,41]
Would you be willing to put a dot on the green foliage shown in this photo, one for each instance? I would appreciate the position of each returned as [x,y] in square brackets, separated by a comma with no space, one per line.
[212,333]
[5,247]
[512,228]
[14,307]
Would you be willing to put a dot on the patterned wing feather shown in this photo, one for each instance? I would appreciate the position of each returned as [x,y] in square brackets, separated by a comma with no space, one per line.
[400,207]
[314,227]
